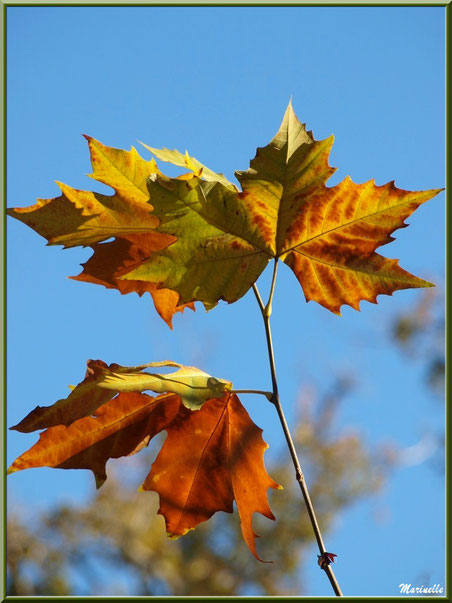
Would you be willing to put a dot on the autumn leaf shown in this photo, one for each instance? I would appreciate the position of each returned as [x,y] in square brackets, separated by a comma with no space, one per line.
[210,458]
[190,383]
[112,259]
[120,427]
[327,236]
[88,219]
[103,382]
[219,253]
[215,456]
[82,218]
[82,401]
[176,158]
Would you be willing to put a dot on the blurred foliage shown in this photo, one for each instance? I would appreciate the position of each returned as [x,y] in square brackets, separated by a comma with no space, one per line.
[116,543]
[420,333]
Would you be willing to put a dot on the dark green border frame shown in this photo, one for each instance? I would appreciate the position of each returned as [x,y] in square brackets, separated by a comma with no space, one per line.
[232,3]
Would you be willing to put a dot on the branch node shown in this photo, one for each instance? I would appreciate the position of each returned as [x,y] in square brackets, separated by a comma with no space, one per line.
[274,398]
[299,475]
[325,559]
[268,310]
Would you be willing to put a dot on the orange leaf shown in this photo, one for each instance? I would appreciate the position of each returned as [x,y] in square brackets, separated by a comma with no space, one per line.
[111,260]
[210,458]
[121,427]
[82,401]
[331,244]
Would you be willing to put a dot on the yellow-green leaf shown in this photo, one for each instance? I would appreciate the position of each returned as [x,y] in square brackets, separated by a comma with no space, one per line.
[219,251]
[192,385]
[79,217]
[176,158]
[102,382]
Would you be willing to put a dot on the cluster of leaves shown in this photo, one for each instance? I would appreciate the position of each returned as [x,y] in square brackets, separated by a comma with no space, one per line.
[68,549]
[210,458]
[198,238]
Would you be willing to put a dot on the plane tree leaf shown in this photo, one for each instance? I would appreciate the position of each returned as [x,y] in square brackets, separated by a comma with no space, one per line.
[103,382]
[327,236]
[193,238]
[224,463]
[219,253]
[114,258]
[177,158]
[192,385]
[88,219]
[83,400]
[79,217]
[210,458]
[120,427]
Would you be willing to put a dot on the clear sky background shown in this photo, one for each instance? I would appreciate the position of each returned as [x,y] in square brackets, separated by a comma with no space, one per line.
[217,81]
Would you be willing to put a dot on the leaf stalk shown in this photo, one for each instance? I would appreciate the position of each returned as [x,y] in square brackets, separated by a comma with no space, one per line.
[266,311]
[268,395]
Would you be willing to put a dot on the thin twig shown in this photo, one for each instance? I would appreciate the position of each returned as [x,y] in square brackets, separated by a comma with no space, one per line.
[266,312]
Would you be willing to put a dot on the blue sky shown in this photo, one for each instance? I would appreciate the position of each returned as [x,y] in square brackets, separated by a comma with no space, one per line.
[217,81]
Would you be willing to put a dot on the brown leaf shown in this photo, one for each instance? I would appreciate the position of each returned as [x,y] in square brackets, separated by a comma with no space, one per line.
[210,458]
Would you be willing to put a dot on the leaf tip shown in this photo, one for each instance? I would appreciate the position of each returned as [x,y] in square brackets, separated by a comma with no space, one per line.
[334,309]
[145,145]
[428,284]
[173,536]
[100,480]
